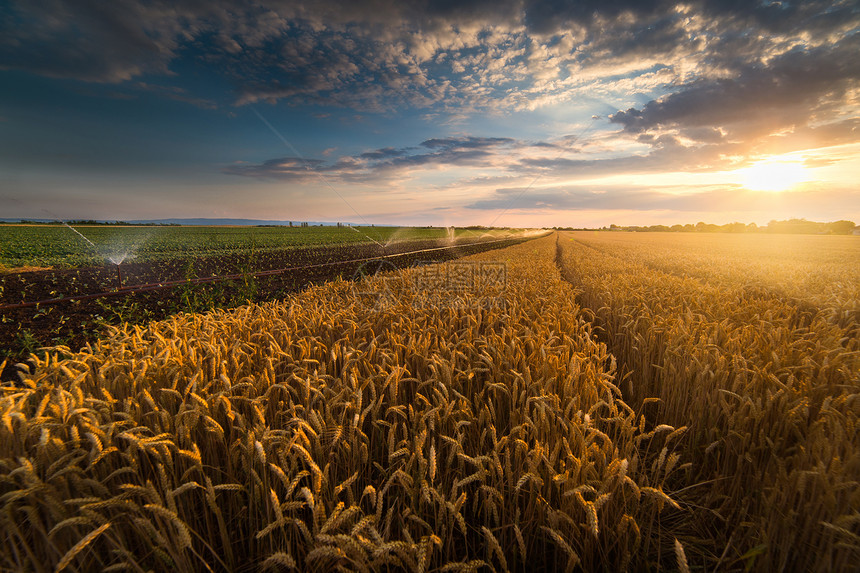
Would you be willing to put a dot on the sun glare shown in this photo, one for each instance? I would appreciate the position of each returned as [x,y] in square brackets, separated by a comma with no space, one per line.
[773,175]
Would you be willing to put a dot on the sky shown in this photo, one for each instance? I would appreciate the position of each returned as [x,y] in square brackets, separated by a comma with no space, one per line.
[521,113]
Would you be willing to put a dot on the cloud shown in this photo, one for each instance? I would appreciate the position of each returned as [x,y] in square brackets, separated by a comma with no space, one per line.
[87,40]
[284,168]
[703,85]
[454,143]
[385,153]
[714,198]
[792,88]
[385,164]
[550,16]
[451,57]
[474,162]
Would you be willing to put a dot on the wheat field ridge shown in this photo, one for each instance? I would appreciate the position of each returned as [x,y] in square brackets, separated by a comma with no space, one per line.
[617,403]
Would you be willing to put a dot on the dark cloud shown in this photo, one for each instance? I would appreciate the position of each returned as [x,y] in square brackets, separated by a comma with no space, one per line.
[86,39]
[552,16]
[384,153]
[284,168]
[549,16]
[465,11]
[453,143]
[790,90]
[785,17]
[381,54]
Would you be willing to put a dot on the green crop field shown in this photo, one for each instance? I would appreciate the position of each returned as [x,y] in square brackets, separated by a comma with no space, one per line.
[61,246]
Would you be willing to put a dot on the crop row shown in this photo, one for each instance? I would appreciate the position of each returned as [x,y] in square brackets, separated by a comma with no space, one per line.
[768,385]
[818,271]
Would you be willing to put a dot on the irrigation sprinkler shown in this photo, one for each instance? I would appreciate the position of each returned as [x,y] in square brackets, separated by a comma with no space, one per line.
[118,276]
[140,288]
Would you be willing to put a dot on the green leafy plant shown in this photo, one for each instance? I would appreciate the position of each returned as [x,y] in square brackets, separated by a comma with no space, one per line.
[27,343]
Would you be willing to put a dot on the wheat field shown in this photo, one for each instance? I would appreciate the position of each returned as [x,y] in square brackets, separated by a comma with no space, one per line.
[753,343]
[599,414]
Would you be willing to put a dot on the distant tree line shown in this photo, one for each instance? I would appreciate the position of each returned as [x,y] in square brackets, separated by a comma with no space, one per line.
[92,222]
[790,226]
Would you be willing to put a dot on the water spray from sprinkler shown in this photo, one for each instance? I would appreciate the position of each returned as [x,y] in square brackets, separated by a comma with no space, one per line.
[78,233]
[81,235]
[115,260]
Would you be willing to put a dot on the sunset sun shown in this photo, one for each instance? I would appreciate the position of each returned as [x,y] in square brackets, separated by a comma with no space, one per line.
[773,176]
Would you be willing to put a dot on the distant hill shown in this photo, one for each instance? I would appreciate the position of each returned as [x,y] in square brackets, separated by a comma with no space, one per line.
[193,221]
[210,222]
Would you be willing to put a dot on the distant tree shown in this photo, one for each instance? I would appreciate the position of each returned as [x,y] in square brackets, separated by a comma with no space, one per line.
[702,227]
[840,227]
[795,226]
[734,228]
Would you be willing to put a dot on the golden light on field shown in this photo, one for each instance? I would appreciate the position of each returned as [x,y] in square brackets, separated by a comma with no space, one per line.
[770,175]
